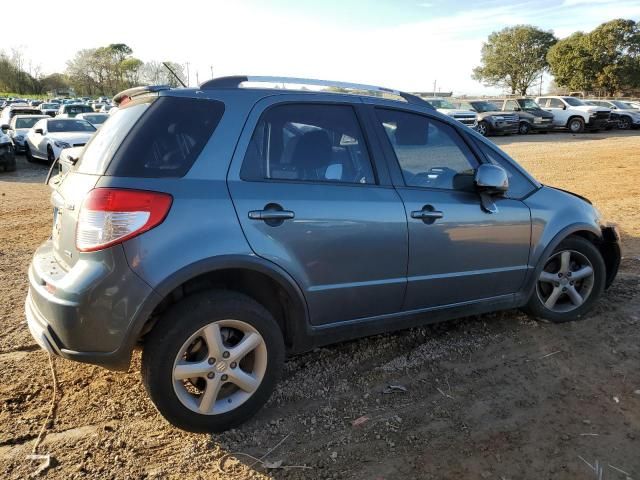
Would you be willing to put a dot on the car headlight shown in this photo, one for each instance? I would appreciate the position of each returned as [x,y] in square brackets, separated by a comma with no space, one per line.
[61,144]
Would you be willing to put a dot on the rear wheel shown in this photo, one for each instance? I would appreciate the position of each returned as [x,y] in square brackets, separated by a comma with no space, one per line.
[572,279]
[576,125]
[212,361]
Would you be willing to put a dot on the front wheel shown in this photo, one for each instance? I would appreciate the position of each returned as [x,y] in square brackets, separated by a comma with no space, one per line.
[571,280]
[524,128]
[212,361]
[483,128]
[624,123]
[51,157]
[28,154]
[576,125]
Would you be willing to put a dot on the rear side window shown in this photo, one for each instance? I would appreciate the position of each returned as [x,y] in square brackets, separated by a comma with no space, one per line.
[160,139]
[308,142]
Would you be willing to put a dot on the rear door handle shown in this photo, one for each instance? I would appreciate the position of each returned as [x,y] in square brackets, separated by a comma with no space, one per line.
[271,215]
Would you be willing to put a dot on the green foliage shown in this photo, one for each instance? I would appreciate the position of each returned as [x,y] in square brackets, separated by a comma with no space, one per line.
[514,58]
[606,59]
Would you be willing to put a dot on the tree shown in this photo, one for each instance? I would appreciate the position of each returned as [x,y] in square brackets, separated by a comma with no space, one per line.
[606,59]
[514,58]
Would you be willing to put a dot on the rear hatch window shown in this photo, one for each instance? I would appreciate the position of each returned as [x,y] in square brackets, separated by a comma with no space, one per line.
[152,137]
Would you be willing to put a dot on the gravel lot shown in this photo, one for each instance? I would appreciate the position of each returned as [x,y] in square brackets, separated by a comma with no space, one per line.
[499,396]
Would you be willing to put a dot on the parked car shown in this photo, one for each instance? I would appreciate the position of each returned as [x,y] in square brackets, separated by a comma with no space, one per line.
[221,228]
[634,105]
[466,117]
[491,120]
[70,110]
[628,117]
[531,117]
[50,109]
[50,136]
[573,114]
[18,128]
[106,108]
[16,109]
[7,153]
[95,119]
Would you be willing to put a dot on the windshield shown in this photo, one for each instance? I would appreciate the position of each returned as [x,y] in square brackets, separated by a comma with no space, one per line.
[49,106]
[444,104]
[96,119]
[482,107]
[527,103]
[27,122]
[621,105]
[69,125]
[574,102]
[101,148]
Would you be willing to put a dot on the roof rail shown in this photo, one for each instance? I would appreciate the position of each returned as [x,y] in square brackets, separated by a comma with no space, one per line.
[136,91]
[236,80]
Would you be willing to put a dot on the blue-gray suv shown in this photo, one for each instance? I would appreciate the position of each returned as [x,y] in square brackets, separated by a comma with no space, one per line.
[223,227]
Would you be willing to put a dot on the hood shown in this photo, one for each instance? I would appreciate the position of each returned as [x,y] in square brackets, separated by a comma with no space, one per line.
[71,137]
[454,111]
[20,131]
[537,112]
[571,193]
[590,109]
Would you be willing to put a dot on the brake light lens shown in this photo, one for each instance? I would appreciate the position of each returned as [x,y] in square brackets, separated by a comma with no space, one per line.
[110,215]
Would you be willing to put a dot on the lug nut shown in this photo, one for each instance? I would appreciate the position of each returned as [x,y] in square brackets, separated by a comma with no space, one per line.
[570,283]
[224,378]
[569,274]
[211,375]
[233,365]
[226,354]
[559,274]
[212,361]
[564,289]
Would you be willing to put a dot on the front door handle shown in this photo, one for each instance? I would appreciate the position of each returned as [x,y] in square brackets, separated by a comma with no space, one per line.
[271,215]
[427,214]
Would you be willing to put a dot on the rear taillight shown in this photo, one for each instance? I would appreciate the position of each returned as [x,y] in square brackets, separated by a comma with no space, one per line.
[111,215]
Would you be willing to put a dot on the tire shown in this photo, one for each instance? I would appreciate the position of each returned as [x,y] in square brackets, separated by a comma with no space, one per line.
[624,123]
[176,337]
[575,125]
[50,155]
[27,154]
[483,128]
[582,254]
[524,128]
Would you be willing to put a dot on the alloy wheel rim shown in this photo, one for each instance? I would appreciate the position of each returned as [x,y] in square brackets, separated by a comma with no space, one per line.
[575,126]
[624,124]
[482,128]
[219,367]
[524,129]
[566,281]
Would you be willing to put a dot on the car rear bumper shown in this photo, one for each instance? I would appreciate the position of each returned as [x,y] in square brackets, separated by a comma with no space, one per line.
[88,312]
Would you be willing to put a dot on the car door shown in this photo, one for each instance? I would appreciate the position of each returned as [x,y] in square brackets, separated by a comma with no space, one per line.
[304,185]
[458,252]
[559,110]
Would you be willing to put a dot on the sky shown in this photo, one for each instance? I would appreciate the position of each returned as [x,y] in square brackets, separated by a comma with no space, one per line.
[403,44]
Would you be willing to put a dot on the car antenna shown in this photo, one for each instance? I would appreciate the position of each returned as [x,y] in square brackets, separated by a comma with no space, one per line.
[174,74]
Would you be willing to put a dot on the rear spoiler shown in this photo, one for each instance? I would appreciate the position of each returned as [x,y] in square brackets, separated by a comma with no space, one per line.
[127,95]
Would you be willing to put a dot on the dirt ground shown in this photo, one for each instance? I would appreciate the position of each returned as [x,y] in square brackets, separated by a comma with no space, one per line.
[499,396]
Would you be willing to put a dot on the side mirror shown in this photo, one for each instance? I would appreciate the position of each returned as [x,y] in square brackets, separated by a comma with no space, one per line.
[491,179]
[564,107]
[38,131]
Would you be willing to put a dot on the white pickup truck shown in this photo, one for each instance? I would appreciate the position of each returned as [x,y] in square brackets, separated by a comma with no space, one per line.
[574,114]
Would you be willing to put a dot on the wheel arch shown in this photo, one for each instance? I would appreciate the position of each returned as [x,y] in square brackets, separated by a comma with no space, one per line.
[256,277]
[607,247]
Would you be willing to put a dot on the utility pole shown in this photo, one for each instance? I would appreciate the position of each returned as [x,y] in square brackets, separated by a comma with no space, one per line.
[434,88]
[211,67]
[540,88]
[197,79]
[188,82]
